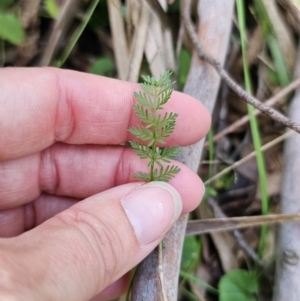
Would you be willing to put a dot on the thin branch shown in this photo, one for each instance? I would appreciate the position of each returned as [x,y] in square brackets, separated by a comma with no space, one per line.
[270,102]
[206,226]
[230,82]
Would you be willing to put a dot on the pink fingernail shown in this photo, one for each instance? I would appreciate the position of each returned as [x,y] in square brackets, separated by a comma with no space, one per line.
[152,209]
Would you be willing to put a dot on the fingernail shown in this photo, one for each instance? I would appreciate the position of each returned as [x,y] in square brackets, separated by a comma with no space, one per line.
[152,209]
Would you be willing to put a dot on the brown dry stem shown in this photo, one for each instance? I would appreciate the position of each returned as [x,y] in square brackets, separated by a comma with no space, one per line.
[231,83]
[276,99]
[205,226]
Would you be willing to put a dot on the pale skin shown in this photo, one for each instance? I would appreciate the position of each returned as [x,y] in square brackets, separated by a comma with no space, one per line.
[63,174]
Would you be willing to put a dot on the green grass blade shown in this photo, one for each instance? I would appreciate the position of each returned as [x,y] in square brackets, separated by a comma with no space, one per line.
[198,281]
[87,16]
[253,124]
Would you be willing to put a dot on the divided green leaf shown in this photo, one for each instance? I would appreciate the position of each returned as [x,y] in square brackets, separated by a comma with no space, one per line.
[141,132]
[155,129]
[142,176]
[144,152]
[144,99]
[170,153]
[166,174]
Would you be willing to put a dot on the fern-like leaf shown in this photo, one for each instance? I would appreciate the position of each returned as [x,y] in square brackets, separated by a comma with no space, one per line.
[169,153]
[142,176]
[145,99]
[163,97]
[155,129]
[143,151]
[160,90]
[166,132]
[166,174]
[167,119]
[141,133]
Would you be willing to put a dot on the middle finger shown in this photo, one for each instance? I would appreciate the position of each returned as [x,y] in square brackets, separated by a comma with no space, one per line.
[79,171]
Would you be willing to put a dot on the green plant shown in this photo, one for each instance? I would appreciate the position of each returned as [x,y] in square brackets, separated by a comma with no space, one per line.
[51,8]
[11,29]
[103,66]
[155,129]
[77,33]
[238,285]
[254,125]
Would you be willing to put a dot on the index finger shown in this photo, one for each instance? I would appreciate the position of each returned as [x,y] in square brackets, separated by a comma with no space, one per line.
[40,106]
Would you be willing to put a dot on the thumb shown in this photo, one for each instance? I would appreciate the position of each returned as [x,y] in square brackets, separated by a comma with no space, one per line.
[82,250]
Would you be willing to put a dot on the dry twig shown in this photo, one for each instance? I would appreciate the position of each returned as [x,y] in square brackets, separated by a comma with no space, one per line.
[231,83]
[270,102]
[205,226]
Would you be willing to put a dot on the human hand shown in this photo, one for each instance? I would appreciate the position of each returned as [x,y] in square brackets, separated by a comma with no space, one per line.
[60,144]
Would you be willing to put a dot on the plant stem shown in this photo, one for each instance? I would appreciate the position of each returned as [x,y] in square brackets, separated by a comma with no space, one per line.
[153,147]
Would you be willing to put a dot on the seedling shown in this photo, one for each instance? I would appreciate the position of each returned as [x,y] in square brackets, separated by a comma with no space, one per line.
[155,129]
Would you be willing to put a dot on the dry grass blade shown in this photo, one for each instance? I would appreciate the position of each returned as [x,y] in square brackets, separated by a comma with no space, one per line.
[282,32]
[195,227]
[138,46]
[293,8]
[159,44]
[251,155]
[119,37]
[155,5]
